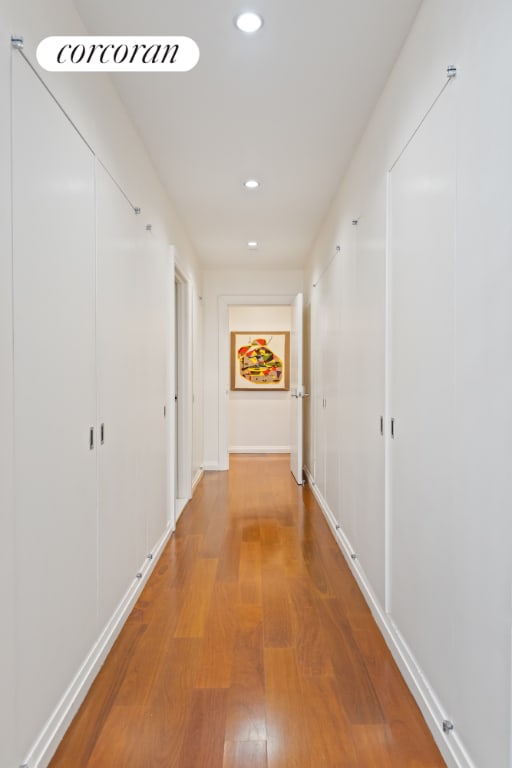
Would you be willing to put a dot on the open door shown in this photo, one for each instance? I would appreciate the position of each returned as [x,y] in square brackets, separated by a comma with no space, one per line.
[296,389]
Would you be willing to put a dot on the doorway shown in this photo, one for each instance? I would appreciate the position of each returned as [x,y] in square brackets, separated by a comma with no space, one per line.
[225,303]
[182,388]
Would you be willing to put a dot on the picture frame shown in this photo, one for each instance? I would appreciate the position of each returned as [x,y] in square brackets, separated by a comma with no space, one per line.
[260,360]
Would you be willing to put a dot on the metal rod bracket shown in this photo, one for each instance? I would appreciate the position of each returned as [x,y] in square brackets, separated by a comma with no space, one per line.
[18,42]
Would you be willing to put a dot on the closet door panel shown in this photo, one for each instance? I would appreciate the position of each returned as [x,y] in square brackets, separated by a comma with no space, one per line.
[55,404]
[331,361]
[317,381]
[367,368]
[118,342]
[347,427]
[423,544]
[325,305]
[152,457]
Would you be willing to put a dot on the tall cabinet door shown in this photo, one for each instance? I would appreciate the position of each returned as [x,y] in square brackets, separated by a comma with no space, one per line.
[326,317]
[55,401]
[361,393]
[152,395]
[118,334]
[422,252]
[331,370]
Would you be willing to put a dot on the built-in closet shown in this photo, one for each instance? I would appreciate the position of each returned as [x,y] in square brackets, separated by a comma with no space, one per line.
[90,324]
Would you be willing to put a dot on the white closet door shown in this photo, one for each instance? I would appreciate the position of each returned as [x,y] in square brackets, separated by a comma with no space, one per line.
[345,346]
[361,349]
[326,316]
[55,405]
[151,396]
[118,341]
[369,390]
[422,187]
[317,389]
[331,381]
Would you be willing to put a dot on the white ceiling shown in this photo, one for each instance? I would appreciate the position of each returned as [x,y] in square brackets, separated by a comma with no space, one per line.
[286,105]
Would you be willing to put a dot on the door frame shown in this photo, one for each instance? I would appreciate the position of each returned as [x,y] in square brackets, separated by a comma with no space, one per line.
[180,378]
[225,302]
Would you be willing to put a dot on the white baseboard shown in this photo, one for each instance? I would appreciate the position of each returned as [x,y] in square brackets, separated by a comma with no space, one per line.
[450,745]
[211,466]
[197,478]
[259,449]
[179,507]
[57,725]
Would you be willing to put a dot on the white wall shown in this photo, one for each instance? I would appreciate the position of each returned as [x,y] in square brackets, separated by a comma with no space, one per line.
[95,107]
[221,288]
[7,522]
[29,701]
[259,422]
[475,581]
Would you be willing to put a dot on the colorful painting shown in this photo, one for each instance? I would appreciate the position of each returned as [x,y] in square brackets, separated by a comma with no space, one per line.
[259,360]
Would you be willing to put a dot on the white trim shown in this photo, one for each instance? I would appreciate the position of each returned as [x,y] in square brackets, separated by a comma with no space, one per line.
[185,393]
[51,735]
[450,746]
[179,506]
[170,384]
[213,466]
[388,407]
[510,711]
[181,503]
[259,449]
[197,479]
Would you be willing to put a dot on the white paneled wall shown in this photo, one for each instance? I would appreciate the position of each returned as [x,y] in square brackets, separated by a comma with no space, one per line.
[84,332]
[7,517]
[131,323]
[90,330]
[422,287]
[422,392]
[55,400]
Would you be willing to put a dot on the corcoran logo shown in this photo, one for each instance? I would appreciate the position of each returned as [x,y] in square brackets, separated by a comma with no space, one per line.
[87,53]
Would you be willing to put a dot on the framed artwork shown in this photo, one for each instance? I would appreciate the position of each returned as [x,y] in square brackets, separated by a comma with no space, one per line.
[260,360]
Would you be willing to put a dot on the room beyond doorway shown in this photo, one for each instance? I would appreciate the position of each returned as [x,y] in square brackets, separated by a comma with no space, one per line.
[259,421]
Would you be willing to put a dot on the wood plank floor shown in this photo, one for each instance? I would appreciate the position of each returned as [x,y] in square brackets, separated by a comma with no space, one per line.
[250,647]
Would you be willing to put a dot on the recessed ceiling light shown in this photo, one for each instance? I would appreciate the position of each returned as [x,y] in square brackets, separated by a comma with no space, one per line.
[251,184]
[248,22]
[252,244]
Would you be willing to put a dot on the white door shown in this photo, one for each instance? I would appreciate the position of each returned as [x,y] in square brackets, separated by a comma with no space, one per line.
[183,392]
[119,336]
[296,388]
[422,271]
[55,404]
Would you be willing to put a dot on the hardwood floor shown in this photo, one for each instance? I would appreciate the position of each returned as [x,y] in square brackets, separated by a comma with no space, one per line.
[250,647]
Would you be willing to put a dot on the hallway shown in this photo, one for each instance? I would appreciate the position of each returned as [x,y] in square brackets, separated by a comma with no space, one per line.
[251,647]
